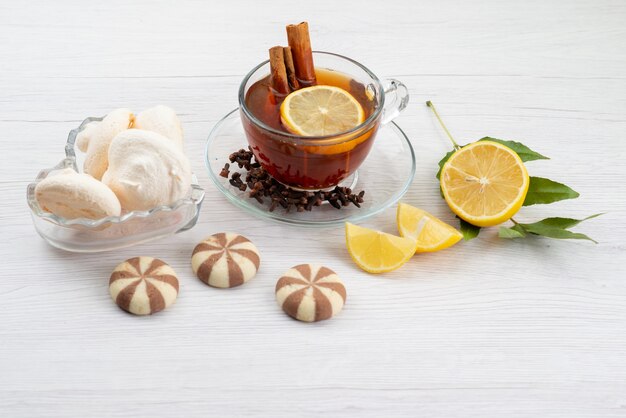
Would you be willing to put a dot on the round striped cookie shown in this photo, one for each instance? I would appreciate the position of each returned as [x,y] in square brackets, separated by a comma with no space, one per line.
[225,260]
[143,285]
[310,292]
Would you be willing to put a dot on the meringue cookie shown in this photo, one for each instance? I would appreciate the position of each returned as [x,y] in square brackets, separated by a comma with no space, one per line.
[71,195]
[83,137]
[162,120]
[146,170]
[94,140]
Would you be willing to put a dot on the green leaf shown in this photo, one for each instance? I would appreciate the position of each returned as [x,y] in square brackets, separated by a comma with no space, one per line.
[544,191]
[562,223]
[557,228]
[443,161]
[512,232]
[554,232]
[519,228]
[525,153]
[468,230]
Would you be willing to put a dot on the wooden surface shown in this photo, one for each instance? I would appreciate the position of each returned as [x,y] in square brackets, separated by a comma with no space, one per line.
[489,328]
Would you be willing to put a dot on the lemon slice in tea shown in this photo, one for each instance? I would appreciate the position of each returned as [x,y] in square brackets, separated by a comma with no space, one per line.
[321,110]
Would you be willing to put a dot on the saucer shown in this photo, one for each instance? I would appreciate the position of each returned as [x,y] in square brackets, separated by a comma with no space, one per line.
[385,176]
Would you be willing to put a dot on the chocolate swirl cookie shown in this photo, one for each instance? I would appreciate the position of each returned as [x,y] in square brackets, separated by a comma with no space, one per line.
[143,285]
[310,293]
[225,260]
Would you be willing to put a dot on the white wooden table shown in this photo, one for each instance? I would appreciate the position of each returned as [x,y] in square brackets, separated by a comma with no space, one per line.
[489,328]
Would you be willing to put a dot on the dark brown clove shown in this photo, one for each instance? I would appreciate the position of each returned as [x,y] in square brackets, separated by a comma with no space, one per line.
[260,184]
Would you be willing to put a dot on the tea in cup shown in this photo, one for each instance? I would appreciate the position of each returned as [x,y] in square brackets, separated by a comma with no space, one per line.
[320,160]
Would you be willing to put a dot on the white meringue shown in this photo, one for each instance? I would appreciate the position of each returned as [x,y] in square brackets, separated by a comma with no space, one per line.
[94,140]
[71,195]
[162,120]
[83,137]
[146,170]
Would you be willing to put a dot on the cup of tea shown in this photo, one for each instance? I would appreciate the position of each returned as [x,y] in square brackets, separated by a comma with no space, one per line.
[317,162]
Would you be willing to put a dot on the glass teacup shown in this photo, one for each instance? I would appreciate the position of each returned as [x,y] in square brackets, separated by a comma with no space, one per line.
[307,162]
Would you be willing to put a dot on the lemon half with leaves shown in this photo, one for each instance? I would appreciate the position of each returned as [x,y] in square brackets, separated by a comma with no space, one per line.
[484,183]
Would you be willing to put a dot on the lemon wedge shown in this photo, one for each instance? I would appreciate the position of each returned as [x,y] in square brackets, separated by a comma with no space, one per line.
[375,251]
[430,233]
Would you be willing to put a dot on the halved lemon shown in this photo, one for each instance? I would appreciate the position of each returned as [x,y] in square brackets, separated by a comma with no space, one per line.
[375,251]
[321,110]
[430,233]
[484,183]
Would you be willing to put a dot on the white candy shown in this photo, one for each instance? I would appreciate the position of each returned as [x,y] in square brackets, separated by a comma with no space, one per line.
[94,140]
[162,120]
[71,195]
[146,170]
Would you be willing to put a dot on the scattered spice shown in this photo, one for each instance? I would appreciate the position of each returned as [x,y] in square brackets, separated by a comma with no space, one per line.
[225,171]
[264,188]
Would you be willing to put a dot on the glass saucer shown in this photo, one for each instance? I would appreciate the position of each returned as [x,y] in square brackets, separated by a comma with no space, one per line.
[385,176]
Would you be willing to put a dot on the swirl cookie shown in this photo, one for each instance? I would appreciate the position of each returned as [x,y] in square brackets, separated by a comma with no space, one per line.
[310,293]
[225,260]
[143,285]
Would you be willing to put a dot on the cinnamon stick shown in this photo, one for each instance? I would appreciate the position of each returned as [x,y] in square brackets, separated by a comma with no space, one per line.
[278,71]
[300,44]
[291,70]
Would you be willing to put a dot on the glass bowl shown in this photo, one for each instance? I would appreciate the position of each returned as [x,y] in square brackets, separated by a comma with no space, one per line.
[113,232]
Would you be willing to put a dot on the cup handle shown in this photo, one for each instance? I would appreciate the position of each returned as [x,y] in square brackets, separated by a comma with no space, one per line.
[396,100]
